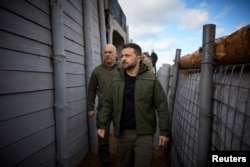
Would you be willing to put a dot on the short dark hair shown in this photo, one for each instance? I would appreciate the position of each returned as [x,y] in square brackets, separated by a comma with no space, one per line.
[136,47]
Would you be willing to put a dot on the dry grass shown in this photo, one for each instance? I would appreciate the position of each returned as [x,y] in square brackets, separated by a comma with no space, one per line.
[92,160]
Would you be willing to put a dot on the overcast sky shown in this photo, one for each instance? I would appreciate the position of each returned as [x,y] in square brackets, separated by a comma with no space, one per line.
[165,25]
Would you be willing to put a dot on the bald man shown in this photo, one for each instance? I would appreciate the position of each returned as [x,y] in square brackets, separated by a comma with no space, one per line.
[100,79]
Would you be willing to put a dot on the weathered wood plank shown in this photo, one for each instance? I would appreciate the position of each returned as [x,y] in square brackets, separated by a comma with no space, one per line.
[77,4]
[75,80]
[77,158]
[74,58]
[21,127]
[96,38]
[15,153]
[97,58]
[73,35]
[25,9]
[73,47]
[77,107]
[42,5]
[76,93]
[27,81]
[44,157]
[94,4]
[77,120]
[78,136]
[12,60]
[95,14]
[74,68]
[18,25]
[78,132]
[26,93]
[17,43]
[72,24]
[78,145]
[72,12]
[24,103]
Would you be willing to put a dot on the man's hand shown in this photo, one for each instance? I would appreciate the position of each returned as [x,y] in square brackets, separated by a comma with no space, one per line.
[91,114]
[163,140]
[101,132]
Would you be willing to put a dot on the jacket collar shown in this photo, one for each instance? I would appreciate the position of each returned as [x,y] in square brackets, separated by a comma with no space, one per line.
[115,65]
[142,69]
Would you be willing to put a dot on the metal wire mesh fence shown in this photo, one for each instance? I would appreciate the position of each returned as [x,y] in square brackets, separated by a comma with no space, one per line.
[185,118]
[231,108]
[230,113]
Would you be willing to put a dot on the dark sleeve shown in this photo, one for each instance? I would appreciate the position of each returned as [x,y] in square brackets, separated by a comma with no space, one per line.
[92,91]
[160,101]
[105,115]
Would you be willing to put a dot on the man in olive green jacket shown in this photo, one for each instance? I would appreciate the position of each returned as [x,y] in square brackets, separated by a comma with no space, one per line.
[100,79]
[131,101]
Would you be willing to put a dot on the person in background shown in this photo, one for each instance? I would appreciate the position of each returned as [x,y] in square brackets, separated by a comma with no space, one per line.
[154,59]
[145,60]
[100,79]
[132,100]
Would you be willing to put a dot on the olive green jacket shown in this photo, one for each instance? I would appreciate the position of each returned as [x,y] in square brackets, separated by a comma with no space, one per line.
[149,98]
[100,79]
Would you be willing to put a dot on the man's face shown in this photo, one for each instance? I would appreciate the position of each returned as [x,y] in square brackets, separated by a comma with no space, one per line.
[129,59]
[109,54]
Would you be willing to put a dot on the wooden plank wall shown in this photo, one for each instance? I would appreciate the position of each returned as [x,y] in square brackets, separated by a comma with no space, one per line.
[96,34]
[27,126]
[27,123]
[76,84]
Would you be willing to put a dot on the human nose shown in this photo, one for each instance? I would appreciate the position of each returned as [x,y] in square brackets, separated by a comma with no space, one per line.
[122,58]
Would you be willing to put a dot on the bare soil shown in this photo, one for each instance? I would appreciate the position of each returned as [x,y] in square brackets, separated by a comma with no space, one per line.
[92,160]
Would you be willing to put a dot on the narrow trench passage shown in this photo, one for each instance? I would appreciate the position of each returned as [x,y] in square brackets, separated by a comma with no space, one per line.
[91,159]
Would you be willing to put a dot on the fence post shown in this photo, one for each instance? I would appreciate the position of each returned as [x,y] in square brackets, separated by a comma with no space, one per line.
[206,81]
[174,83]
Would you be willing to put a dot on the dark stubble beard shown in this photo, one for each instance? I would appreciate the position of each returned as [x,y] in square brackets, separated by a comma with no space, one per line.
[130,67]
